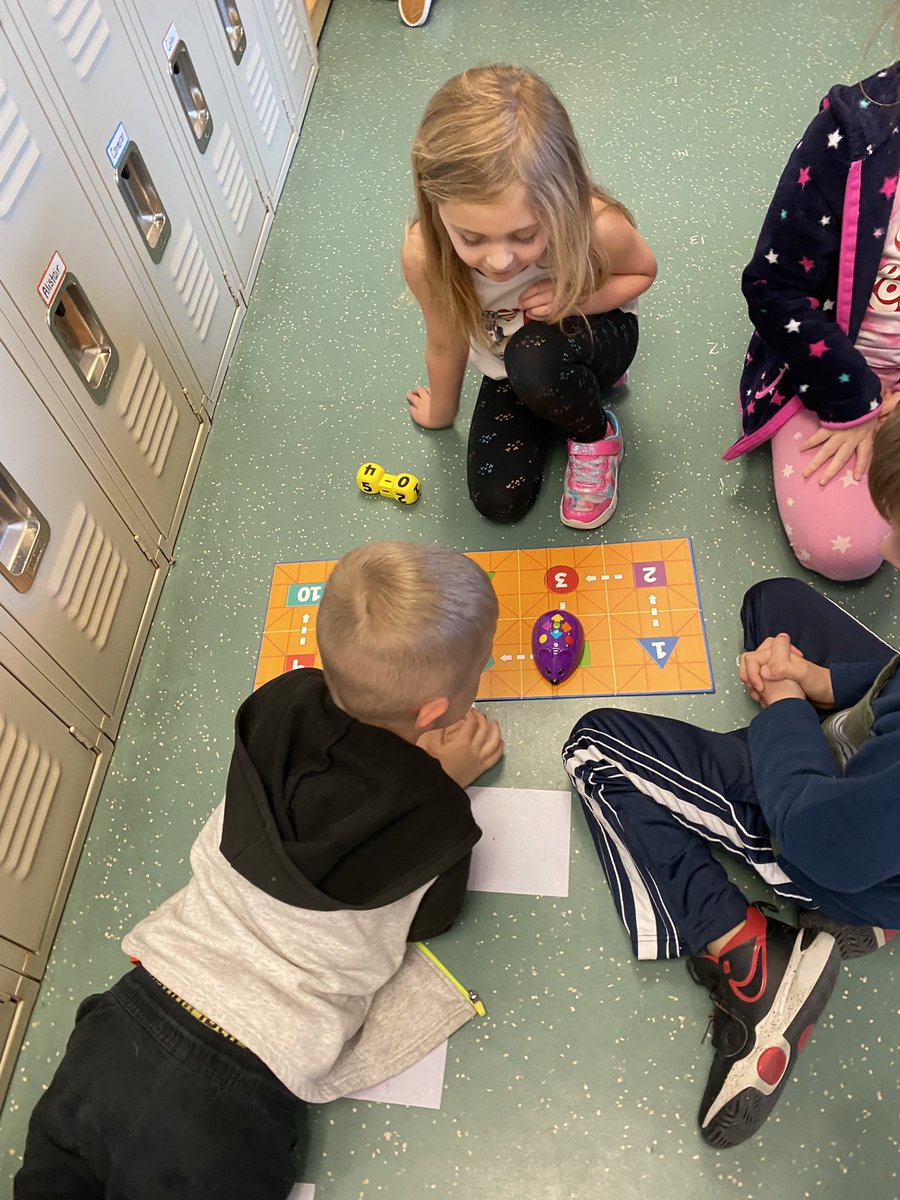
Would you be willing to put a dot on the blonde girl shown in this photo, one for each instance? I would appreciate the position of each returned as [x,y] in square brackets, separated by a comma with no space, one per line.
[526,268]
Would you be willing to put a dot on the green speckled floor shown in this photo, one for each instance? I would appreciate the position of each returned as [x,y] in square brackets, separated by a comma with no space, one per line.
[584,1079]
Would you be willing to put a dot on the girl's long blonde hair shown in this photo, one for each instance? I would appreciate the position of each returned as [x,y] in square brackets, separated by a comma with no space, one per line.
[486,130]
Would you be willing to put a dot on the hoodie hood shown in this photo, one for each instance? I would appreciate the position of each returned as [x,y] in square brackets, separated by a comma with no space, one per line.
[867,112]
[325,812]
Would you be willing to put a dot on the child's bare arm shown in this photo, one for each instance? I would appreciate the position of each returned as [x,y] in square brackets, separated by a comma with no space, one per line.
[434,406]
[631,261]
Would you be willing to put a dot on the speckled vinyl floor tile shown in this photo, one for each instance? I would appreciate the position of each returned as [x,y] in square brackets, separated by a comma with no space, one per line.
[584,1078]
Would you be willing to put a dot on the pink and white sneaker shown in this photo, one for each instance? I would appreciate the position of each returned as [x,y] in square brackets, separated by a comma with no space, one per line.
[591,486]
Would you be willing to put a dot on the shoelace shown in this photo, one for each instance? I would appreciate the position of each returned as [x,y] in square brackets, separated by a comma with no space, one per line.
[714,988]
[589,474]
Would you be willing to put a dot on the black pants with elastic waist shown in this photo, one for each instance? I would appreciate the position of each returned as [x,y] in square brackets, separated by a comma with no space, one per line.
[558,380]
[150,1104]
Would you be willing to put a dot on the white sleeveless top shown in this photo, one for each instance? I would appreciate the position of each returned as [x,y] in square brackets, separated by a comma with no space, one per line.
[501,316]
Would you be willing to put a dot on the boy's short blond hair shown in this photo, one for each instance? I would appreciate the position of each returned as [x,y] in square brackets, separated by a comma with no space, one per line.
[884,469]
[401,623]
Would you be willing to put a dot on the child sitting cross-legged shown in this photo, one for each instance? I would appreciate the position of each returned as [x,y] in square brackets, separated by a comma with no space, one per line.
[282,972]
[806,795]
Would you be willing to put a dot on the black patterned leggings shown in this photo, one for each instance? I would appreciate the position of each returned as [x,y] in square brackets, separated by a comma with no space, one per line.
[556,380]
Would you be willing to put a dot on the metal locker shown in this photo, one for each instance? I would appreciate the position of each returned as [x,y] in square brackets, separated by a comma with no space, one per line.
[289,29]
[249,60]
[98,87]
[76,587]
[65,278]
[212,132]
[50,776]
[17,997]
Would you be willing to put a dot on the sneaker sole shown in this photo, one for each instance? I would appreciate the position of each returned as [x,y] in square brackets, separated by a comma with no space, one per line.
[854,941]
[601,520]
[753,1086]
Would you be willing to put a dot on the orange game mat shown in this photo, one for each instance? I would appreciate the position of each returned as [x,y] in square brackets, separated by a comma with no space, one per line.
[638,603]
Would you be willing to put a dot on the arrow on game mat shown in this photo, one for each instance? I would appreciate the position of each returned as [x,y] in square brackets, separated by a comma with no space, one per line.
[659,649]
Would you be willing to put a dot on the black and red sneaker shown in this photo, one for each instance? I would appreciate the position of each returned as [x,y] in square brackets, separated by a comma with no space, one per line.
[769,990]
[853,940]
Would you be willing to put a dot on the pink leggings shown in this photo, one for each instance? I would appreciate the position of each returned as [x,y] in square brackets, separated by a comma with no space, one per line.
[834,529]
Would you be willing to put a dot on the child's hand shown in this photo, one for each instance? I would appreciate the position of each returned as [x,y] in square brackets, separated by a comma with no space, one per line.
[536,302]
[751,663]
[889,401]
[839,446]
[776,664]
[467,749]
[419,400]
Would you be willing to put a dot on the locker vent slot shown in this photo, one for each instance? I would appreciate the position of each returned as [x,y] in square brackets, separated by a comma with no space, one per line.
[85,342]
[195,281]
[28,781]
[143,202]
[83,30]
[18,153]
[262,93]
[291,33]
[234,29]
[90,578]
[24,534]
[233,178]
[190,96]
[148,411]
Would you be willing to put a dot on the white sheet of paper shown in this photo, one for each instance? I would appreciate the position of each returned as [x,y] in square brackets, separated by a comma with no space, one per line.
[524,846]
[419,1086]
[303,1191]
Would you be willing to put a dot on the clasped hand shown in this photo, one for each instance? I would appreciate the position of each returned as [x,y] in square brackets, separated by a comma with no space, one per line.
[776,670]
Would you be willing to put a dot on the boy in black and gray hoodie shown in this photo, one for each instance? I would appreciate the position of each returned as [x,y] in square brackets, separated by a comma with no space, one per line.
[283,972]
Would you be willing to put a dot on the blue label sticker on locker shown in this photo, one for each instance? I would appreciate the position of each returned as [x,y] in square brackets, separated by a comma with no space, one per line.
[117,143]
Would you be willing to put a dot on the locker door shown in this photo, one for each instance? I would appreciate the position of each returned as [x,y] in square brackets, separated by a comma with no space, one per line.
[173,45]
[254,69]
[65,279]
[48,785]
[17,997]
[99,88]
[72,575]
[289,28]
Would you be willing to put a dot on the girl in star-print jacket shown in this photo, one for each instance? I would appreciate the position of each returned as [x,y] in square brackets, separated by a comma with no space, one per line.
[823,290]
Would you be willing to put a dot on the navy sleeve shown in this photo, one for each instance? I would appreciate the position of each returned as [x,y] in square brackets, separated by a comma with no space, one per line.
[839,829]
[789,282]
[851,681]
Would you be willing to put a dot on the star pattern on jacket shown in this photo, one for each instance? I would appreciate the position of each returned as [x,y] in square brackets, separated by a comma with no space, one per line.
[803,350]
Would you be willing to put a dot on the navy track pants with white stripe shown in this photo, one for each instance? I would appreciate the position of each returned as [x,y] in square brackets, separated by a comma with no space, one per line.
[659,793]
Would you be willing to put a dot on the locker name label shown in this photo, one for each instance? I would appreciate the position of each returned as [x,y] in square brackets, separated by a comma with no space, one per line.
[52,279]
[116,146]
[170,41]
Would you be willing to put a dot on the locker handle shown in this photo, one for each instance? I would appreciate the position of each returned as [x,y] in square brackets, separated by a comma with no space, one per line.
[24,534]
[190,95]
[84,341]
[230,17]
[143,202]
